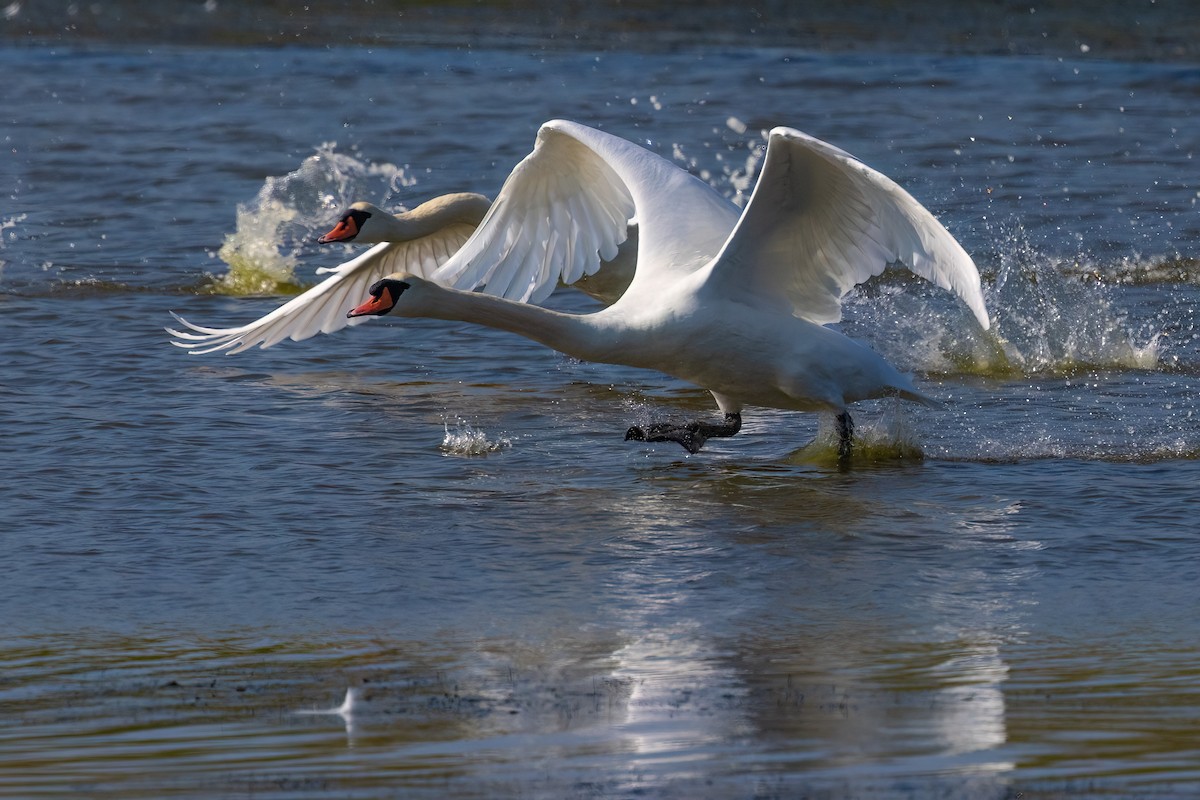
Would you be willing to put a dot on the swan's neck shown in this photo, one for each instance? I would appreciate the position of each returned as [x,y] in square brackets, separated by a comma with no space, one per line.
[431,217]
[583,336]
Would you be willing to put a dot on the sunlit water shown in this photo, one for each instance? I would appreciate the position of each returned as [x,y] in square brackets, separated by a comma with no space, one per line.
[993,600]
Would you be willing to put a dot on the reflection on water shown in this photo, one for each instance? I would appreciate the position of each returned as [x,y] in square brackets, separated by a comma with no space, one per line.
[800,689]
[667,707]
[839,667]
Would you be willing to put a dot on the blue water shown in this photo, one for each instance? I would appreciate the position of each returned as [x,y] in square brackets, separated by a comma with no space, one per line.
[448,520]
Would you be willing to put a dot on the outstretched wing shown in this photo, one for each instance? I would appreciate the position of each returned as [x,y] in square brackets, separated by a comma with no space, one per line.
[820,222]
[560,214]
[322,309]
[567,206]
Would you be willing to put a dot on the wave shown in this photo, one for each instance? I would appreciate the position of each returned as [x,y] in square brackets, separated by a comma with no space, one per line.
[1138,270]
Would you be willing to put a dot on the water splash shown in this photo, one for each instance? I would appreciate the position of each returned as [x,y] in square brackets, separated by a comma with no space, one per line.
[729,162]
[1048,318]
[889,439]
[465,440]
[5,225]
[290,211]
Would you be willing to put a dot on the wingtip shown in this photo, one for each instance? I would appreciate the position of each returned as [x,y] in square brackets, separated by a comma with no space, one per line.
[979,309]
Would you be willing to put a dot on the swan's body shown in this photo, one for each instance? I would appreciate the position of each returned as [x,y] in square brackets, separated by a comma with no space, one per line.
[733,301]
[744,355]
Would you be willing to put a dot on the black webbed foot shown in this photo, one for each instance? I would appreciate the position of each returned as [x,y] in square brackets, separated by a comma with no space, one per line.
[691,435]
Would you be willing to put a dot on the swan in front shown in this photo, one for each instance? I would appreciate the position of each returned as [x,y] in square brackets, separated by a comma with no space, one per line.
[734,301]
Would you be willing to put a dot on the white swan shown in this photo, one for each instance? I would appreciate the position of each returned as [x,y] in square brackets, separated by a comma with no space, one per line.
[735,302]
[418,242]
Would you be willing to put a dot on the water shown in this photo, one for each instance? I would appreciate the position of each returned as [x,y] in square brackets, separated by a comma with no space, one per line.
[994,600]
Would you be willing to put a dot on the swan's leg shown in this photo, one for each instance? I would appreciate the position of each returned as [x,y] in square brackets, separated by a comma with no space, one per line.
[845,430]
[691,435]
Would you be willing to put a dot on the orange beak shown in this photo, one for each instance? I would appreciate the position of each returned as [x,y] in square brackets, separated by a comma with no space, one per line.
[344,231]
[376,306]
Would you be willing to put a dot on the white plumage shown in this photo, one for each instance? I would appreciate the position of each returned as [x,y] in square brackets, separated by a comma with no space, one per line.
[732,300]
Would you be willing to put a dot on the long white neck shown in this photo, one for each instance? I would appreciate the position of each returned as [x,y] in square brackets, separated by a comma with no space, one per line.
[589,337]
[430,217]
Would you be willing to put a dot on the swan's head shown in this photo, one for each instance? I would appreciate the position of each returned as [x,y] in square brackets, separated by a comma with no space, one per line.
[352,224]
[384,296]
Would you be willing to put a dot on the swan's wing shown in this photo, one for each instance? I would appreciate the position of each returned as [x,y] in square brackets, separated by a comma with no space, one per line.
[820,221]
[322,309]
[567,206]
[561,212]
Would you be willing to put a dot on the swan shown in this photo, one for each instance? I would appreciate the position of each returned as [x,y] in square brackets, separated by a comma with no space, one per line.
[733,300]
[416,241]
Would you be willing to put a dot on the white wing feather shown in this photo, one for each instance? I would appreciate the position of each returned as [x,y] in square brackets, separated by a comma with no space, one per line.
[560,212]
[322,308]
[820,221]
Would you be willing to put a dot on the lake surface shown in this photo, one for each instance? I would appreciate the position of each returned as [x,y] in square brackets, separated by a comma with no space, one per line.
[994,600]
